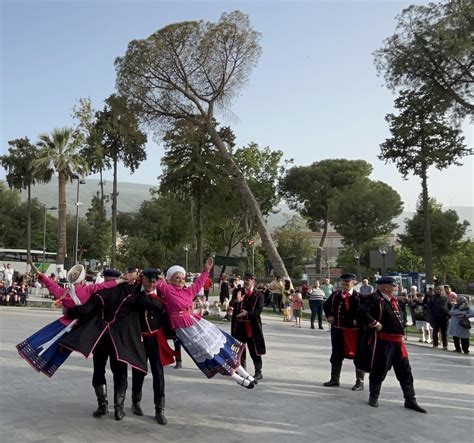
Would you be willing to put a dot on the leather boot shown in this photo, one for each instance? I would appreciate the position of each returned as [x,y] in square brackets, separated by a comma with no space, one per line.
[374,393]
[410,399]
[178,364]
[258,375]
[160,411]
[335,376]
[136,399]
[119,400]
[359,384]
[101,393]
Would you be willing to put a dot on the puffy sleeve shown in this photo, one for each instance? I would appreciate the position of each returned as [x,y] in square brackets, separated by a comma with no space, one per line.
[53,288]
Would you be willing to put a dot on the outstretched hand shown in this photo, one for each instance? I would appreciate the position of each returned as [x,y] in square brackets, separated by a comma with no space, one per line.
[209,264]
[34,268]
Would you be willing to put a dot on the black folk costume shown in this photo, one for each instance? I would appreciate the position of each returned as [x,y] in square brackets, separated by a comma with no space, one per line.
[112,332]
[154,325]
[379,351]
[345,333]
[248,329]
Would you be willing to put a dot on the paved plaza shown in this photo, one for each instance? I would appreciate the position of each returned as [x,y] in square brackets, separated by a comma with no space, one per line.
[289,405]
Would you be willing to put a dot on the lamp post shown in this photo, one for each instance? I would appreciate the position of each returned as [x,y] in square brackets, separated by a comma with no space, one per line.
[80,181]
[52,208]
[383,253]
[186,249]
[357,259]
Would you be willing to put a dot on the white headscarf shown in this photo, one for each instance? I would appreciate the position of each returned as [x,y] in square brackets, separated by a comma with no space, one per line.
[173,270]
[82,274]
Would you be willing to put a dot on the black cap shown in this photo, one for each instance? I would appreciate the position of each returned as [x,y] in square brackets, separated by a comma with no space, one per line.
[347,277]
[151,273]
[133,269]
[249,276]
[386,281]
[112,273]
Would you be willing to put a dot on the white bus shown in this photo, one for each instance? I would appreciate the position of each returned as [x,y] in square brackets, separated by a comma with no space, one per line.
[17,260]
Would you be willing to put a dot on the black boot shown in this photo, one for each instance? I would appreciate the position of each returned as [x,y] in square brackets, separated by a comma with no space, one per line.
[178,364]
[136,399]
[359,384]
[374,393]
[335,376]
[119,400]
[410,399]
[101,393]
[258,375]
[160,411]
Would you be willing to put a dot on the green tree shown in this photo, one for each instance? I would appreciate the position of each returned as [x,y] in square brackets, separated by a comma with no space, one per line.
[192,168]
[188,71]
[447,234]
[291,241]
[365,212]
[101,231]
[21,174]
[432,48]
[116,135]
[58,152]
[422,137]
[312,190]
[407,260]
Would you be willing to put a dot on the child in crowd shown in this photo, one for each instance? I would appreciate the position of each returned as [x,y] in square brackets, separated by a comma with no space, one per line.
[420,310]
[297,305]
[287,314]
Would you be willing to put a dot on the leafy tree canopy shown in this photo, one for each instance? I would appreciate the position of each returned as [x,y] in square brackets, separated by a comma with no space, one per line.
[433,48]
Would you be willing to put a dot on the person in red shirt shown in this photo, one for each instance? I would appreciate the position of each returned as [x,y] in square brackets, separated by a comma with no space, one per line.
[207,286]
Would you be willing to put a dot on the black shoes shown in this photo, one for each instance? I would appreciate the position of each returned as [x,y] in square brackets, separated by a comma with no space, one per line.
[136,409]
[160,411]
[359,385]
[258,375]
[103,404]
[412,404]
[178,364]
[331,383]
[373,401]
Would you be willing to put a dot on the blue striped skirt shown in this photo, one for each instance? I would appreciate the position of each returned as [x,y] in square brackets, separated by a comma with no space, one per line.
[214,351]
[42,351]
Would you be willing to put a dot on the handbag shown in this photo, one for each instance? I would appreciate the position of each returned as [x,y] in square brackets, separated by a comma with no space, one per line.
[465,323]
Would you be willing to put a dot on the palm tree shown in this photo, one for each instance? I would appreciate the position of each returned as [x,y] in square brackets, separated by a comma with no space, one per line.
[60,153]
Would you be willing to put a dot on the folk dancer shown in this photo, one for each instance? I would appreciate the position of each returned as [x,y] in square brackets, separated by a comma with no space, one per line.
[383,343]
[246,323]
[213,350]
[154,322]
[41,350]
[341,312]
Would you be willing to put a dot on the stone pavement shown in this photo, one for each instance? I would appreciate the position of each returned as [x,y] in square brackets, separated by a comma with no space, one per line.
[288,405]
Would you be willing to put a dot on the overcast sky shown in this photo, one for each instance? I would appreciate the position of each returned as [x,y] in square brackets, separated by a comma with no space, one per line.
[314,93]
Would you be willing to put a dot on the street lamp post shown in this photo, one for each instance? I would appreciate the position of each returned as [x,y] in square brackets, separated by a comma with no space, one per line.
[357,259]
[79,182]
[52,208]
[186,257]
[383,253]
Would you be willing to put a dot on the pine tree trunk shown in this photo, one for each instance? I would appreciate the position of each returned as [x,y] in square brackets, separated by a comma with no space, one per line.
[28,229]
[199,243]
[113,249]
[428,256]
[319,249]
[249,198]
[62,217]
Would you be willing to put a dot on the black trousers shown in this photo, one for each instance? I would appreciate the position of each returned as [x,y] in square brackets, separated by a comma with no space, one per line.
[440,324]
[241,335]
[387,355]
[102,352]
[153,355]
[464,344]
[277,302]
[316,307]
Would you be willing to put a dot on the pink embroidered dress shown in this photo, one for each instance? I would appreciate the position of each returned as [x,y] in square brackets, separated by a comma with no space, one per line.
[214,351]
[41,350]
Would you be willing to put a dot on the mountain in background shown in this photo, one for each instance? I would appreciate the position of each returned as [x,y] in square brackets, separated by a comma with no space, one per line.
[132,195]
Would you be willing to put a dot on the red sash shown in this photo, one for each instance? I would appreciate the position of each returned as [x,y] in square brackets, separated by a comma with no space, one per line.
[350,341]
[395,339]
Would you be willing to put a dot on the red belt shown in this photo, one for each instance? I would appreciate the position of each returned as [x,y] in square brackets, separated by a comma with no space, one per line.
[395,339]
